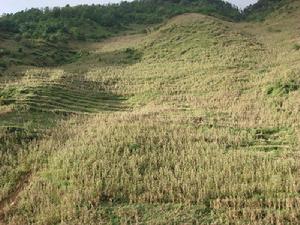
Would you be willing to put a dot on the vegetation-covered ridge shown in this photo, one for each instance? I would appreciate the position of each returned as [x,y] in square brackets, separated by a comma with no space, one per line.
[263,8]
[41,37]
[96,22]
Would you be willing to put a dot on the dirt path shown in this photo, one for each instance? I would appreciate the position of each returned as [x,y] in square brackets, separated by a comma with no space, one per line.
[12,198]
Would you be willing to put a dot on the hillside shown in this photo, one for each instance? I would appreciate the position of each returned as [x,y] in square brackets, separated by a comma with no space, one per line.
[30,52]
[264,8]
[195,121]
[97,22]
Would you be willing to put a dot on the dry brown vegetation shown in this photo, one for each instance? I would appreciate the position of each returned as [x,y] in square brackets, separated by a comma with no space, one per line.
[202,127]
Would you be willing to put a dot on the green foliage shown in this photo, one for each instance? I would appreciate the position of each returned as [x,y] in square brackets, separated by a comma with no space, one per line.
[283,87]
[7,25]
[36,52]
[97,22]
[260,10]
[6,95]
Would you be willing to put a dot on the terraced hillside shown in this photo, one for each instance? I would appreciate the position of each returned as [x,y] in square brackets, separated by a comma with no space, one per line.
[53,91]
[196,122]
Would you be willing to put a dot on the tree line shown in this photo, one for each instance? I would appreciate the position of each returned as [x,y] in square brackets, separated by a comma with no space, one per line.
[96,22]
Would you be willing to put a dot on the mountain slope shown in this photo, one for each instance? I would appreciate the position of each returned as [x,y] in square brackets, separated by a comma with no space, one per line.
[201,127]
[29,52]
[264,8]
[97,22]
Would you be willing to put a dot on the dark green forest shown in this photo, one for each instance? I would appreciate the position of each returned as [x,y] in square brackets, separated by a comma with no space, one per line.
[95,22]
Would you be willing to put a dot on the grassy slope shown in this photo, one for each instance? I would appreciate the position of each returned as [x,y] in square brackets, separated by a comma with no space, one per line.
[30,52]
[212,135]
[263,8]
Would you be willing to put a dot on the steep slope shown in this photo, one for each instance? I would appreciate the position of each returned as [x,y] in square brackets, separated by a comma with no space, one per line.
[212,136]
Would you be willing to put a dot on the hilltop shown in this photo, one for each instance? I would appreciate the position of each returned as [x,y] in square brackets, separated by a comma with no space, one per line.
[195,121]
[42,36]
[96,22]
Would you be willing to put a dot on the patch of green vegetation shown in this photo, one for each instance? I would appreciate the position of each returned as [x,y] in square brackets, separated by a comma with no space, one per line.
[283,87]
[296,47]
[271,138]
[35,53]
[134,147]
[154,213]
[9,92]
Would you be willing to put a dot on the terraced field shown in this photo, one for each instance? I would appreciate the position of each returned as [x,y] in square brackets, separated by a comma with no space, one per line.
[63,95]
[65,99]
